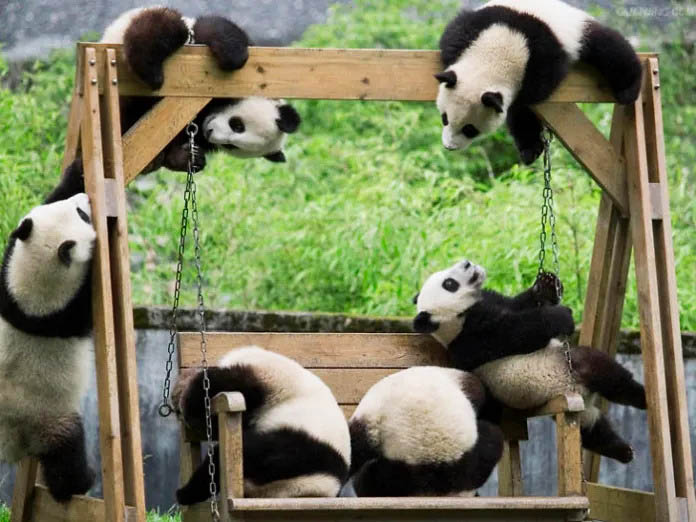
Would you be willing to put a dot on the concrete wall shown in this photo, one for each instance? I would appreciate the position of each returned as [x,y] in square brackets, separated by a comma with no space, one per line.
[160,436]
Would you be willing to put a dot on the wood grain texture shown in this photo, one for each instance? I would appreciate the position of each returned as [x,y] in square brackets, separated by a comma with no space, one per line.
[649,314]
[568,402]
[323,350]
[339,74]
[72,136]
[124,330]
[231,460]
[79,508]
[144,140]
[569,451]
[230,402]
[104,334]
[588,147]
[510,471]
[23,494]
[667,293]
[619,504]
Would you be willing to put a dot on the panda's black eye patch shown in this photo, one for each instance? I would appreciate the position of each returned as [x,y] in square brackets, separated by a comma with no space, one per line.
[445,119]
[83,216]
[450,285]
[470,131]
[236,124]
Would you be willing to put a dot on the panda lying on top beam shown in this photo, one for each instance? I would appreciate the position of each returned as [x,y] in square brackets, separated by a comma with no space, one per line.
[245,128]
[512,344]
[510,54]
[45,329]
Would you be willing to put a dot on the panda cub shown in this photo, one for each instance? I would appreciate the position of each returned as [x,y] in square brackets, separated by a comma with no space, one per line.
[295,436]
[512,344]
[245,128]
[510,54]
[45,325]
[415,433]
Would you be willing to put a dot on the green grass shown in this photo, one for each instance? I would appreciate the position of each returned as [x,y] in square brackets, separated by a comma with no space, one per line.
[369,202]
[152,516]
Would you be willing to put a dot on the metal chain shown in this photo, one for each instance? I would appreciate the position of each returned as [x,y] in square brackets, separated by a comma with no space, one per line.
[548,216]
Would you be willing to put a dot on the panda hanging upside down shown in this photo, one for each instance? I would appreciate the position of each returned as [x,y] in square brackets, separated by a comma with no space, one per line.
[508,55]
[512,345]
[246,128]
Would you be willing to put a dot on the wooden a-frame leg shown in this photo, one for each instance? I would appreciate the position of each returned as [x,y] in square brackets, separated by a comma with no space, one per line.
[606,288]
[667,294]
[25,480]
[569,454]
[104,335]
[72,137]
[124,328]
[510,482]
[229,408]
[639,190]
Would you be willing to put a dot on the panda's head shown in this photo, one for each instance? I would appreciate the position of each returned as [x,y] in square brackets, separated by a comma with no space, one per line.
[250,127]
[468,108]
[444,299]
[48,256]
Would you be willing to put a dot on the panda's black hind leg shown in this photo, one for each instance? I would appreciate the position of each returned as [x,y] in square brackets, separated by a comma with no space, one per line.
[602,374]
[526,128]
[602,439]
[152,36]
[197,489]
[612,54]
[64,462]
[227,41]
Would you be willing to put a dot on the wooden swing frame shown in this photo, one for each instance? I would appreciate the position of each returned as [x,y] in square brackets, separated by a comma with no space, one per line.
[634,212]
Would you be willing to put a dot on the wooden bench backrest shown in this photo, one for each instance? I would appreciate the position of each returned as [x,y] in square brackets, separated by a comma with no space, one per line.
[348,363]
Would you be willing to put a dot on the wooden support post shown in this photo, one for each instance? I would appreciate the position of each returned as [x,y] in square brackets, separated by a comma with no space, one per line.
[23,495]
[569,454]
[229,408]
[124,328]
[104,334]
[72,137]
[510,482]
[667,294]
[649,313]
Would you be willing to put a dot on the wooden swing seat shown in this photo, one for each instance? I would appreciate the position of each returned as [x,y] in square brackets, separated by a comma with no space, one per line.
[350,364]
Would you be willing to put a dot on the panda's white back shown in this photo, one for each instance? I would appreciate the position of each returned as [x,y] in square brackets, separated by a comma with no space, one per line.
[419,415]
[565,21]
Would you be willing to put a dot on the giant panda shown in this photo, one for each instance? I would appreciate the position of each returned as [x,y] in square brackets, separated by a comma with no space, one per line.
[295,436]
[245,128]
[509,54]
[512,344]
[45,325]
[416,433]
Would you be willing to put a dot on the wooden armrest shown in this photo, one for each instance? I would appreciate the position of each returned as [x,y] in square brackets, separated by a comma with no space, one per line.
[230,402]
[566,403]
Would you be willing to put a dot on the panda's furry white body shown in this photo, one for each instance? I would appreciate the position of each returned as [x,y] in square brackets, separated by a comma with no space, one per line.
[296,438]
[41,379]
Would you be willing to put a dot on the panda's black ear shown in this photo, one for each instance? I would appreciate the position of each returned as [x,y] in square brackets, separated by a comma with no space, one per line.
[23,231]
[276,157]
[494,100]
[449,78]
[289,118]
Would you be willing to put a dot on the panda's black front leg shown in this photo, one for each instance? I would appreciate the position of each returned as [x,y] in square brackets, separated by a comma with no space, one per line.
[197,489]
[64,461]
[526,128]
[227,41]
[72,182]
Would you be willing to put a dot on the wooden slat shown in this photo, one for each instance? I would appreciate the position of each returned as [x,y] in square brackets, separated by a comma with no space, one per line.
[667,291]
[124,329]
[104,335]
[587,145]
[323,350]
[569,402]
[80,508]
[339,74]
[231,461]
[229,402]
[619,504]
[23,494]
[510,471]
[144,140]
[569,451]
[649,314]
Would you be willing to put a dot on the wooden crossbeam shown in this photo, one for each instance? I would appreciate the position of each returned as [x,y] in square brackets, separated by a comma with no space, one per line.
[587,145]
[331,74]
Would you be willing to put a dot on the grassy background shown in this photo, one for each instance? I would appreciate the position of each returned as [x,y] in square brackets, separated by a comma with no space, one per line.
[369,202]
[152,516]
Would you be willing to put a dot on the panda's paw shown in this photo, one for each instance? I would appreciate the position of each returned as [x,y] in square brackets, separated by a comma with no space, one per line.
[559,320]
[153,76]
[530,153]
[548,289]
[78,482]
[628,95]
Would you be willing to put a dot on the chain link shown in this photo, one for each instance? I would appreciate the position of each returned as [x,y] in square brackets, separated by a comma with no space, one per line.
[548,216]
[165,408]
